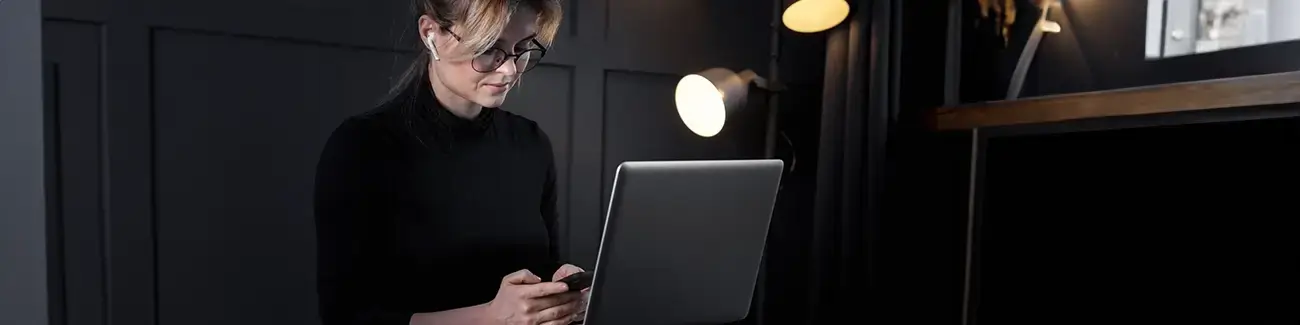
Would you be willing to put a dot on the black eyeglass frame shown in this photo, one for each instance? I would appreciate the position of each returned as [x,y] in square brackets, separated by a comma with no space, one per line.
[540,50]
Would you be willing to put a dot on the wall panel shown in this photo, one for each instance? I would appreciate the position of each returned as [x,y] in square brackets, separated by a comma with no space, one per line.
[77,110]
[239,124]
[681,37]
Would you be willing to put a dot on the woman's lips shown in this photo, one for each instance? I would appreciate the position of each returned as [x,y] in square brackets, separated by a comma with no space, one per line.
[497,88]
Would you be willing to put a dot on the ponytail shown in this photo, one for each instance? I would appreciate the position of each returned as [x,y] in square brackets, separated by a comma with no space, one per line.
[418,68]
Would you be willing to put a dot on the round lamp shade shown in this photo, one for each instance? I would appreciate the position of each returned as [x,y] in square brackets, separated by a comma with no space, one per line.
[705,99]
[811,16]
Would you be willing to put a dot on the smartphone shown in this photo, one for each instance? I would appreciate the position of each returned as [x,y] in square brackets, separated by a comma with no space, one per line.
[577,281]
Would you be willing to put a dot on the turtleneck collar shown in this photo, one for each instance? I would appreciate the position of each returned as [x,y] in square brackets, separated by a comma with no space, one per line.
[446,120]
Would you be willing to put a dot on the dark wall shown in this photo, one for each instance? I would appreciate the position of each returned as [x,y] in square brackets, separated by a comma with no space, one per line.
[189,134]
[1101,46]
[23,290]
[920,249]
[1163,218]
[1170,224]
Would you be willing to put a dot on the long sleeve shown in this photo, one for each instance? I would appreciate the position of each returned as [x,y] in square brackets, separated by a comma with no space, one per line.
[351,184]
[548,209]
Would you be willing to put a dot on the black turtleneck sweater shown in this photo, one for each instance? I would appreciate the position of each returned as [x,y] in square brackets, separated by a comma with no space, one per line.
[418,210]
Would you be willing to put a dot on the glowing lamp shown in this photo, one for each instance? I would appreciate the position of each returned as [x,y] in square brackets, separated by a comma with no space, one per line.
[705,99]
[811,16]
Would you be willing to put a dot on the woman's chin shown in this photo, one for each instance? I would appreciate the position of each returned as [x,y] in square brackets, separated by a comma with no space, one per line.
[490,100]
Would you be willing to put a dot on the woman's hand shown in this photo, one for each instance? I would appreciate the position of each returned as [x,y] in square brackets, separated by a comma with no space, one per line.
[523,299]
[565,271]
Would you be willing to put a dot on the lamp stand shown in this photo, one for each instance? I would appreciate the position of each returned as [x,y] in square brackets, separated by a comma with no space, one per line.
[773,70]
[769,148]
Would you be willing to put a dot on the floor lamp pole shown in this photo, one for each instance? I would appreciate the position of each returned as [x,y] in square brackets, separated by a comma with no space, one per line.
[769,148]
[773,70]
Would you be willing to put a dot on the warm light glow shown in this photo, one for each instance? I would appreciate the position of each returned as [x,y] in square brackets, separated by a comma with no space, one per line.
[1051,26]
[811,16]
[700,105]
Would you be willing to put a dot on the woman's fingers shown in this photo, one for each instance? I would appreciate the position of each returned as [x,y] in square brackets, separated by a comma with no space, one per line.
[564,313]
[521,277]
[558,322]
[556,300]
[564,271]
[544,289]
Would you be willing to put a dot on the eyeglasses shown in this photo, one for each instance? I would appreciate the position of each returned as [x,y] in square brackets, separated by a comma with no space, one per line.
[494,57]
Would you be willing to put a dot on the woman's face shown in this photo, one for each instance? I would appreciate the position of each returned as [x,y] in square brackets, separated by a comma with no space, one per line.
[457,70]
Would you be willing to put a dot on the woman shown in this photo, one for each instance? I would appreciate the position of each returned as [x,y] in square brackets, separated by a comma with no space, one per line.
[437,207]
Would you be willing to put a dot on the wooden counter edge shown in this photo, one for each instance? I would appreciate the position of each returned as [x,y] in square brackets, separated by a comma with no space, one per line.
[1258,90]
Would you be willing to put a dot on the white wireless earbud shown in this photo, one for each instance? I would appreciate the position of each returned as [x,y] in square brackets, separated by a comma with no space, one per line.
[428,42]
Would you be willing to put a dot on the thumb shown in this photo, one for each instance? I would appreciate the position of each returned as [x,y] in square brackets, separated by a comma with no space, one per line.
[565,271]
[521,277]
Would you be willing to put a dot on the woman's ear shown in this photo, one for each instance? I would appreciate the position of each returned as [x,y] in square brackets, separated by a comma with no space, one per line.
[428,29]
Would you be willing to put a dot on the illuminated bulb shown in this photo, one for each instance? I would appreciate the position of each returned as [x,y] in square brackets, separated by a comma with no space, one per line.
[1051,26]
[700,105]
[811,16]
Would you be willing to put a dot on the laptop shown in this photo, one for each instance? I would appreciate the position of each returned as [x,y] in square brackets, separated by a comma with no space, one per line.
[683,241]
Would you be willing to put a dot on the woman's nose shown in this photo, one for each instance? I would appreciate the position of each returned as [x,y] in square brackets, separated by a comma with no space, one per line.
[508,67]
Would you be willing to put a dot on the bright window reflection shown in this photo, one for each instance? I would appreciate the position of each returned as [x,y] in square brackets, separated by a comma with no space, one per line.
[1181,27]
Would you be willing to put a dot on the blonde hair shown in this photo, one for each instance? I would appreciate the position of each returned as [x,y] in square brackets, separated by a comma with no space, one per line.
[481,22]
